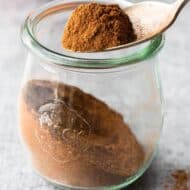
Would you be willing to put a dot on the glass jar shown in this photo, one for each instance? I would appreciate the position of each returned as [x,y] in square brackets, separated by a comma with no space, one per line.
[88,120]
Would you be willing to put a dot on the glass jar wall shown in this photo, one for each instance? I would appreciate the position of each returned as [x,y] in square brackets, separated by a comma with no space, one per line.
[92,120]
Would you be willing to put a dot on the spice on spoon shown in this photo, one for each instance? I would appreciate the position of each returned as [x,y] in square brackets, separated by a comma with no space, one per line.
[95,27]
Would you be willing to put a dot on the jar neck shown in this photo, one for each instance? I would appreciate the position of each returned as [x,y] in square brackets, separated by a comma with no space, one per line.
[37,43]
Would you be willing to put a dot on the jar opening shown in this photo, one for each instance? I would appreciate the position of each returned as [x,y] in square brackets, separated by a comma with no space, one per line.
[43,28]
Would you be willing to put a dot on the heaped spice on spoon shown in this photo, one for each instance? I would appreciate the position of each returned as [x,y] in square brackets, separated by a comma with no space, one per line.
[95,27]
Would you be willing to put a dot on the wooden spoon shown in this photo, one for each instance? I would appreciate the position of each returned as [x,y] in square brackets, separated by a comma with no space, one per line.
[150,18]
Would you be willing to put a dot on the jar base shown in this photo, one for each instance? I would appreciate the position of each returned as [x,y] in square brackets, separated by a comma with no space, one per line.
[126,183]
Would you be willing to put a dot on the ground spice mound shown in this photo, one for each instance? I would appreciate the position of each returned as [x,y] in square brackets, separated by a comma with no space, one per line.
[76,139]
[180,181]
[95,27]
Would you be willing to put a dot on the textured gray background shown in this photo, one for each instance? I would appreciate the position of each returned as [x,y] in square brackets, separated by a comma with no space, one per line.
[174,149]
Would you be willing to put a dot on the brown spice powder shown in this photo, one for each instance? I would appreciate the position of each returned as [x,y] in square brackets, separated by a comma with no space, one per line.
[75,138]
[180,181]
[95,27]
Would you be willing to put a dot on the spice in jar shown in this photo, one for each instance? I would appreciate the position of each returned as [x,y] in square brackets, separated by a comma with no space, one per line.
[95,27]
[75,138]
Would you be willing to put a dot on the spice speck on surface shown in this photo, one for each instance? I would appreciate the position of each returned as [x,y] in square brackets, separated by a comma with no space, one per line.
[180,181]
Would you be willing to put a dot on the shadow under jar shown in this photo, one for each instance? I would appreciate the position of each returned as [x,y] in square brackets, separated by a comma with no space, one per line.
[88,120]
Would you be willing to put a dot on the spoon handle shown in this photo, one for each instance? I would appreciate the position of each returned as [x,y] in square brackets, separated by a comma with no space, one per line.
[178,6]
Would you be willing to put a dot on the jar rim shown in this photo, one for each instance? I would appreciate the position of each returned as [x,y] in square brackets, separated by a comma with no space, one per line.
[150,49]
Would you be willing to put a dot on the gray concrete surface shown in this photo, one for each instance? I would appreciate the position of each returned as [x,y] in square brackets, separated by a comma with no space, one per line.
[174,148]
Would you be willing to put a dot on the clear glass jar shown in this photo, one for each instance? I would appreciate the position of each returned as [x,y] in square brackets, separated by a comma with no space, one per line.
[88,120]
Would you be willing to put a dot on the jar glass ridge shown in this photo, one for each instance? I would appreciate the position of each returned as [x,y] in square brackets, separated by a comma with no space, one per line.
[115,97]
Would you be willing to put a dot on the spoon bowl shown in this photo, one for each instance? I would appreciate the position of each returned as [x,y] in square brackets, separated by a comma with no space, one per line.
[150,18]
